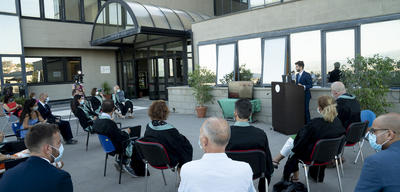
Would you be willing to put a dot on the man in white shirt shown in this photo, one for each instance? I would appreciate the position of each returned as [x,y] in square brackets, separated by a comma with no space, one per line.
[215,171]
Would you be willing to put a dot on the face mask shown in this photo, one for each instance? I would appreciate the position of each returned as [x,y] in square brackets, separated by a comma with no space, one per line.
[60,153]
[372,142]
[33,97]
[47,99]
[318,111]
[35,108]
[118,90]
[82,102]
[97,92]
[200,144]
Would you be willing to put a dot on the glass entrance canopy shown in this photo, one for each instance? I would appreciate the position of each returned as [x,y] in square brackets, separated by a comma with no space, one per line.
[121,21]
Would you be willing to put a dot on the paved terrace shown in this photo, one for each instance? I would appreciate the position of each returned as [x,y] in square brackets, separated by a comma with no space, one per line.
[86,168]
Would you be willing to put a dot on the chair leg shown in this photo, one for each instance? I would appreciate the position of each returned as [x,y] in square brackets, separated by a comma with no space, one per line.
[77,127]
[146,177]
[338,174]
[105,164]
[266,184]
[120,169]
[359,151]
[341,164]
[87,140]
[163,176]
[176,177]
[306,174]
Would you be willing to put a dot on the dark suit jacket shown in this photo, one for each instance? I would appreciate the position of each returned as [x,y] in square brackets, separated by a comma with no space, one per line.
[315,130]
[348,109]
[45,112]
[381,171]
[110,129]
[305,80]
[250,137]
[36,175]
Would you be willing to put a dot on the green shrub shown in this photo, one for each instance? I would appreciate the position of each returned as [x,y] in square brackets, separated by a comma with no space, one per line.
[200,80]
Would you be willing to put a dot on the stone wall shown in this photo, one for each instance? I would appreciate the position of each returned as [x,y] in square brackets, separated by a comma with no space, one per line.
[182,100]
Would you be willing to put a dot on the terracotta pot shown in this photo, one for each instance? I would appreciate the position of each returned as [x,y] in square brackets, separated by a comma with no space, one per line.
[201,111]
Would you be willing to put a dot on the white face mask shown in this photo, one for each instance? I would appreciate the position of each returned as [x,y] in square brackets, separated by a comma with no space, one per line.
[35,108]
[60,153]
[201,147]
[318,111]
[97,93]
[47,99]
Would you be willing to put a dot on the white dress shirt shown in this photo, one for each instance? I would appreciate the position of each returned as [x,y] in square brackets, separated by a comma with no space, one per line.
[216,172]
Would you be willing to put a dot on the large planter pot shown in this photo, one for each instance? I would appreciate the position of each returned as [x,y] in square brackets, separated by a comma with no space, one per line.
[201,111]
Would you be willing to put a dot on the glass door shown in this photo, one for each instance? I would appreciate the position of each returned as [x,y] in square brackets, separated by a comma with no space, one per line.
[157,84]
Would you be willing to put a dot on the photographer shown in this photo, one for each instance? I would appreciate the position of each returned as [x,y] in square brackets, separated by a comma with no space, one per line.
[96,99]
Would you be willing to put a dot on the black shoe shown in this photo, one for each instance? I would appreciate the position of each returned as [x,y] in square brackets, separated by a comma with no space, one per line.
[129,170]
[71,142]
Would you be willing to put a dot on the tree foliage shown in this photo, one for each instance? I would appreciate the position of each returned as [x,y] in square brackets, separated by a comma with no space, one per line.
[200,80]
[369,79]
[244,75]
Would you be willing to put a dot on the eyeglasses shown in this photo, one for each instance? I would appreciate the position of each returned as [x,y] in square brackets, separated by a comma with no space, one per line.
[373,130]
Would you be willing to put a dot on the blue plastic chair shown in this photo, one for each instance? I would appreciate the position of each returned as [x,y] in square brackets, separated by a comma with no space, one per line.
[108,147]
[368,115]
[18,130]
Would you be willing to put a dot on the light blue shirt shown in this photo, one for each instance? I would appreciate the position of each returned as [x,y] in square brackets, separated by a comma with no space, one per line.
[241,124]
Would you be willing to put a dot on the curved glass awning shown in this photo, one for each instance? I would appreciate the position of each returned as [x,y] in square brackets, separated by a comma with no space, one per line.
[119,20]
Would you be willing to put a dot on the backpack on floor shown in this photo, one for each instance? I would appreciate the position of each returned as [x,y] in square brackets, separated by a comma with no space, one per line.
[286,186]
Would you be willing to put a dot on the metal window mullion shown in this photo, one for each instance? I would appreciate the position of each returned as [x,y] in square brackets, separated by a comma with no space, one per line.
[1,74]
[185,61]
[64,61]
[44,65]
[323,58]
[262,60]
[357,41]
[82,11]
[236,67]
[63,16]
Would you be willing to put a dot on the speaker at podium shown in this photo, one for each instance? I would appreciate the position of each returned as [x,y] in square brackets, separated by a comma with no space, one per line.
[287,106]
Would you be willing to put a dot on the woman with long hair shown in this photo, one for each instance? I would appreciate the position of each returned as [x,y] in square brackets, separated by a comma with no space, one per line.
[30,116]
[83,113]
[326,126]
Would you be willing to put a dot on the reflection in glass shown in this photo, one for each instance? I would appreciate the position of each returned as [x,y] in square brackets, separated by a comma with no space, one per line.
[381,38]
[306,47]
[7,6]
[172,19]
[55,72]
[10,39]
[52,9]
[141,14]
[160,68]
[158,17]
[226,6]
[34,70]
[91,9]
[12,71]
[339,48]
[208,57]
[72,68]
[72,11]
[226,62]
[255,3]
[250,59]
[30,8]
[274,60]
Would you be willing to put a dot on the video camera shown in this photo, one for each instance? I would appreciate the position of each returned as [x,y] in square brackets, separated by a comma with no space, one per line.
[78,79]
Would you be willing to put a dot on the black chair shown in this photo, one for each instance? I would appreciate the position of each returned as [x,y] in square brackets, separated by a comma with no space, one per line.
[324,151]
[355,134]
[85,129]
[256,158]
[156,155]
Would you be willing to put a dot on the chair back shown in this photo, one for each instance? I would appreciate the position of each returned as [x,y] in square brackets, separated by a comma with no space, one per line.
[154,153]
[18,130]
[135,131]
[368,115]
[106,143]
[325,150]
[356,132]
[256,158]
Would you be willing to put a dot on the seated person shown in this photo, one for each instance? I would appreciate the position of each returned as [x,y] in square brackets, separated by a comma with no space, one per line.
[348,107]
[32,95]
[125,105]
[335,74]
[381,170]
[215,171]
[30,115]
[244,136]
[120,139]
[64,126]
[37,173]
[84,114]
[9,150]
[11,107]
[96,100]
[178,147]
[326,127]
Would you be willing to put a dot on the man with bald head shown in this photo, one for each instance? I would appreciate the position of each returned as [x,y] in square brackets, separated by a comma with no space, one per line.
[215,171]
[381,170]
[347,107]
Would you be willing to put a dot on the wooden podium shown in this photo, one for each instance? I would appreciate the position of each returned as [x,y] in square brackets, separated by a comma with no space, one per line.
[287,107]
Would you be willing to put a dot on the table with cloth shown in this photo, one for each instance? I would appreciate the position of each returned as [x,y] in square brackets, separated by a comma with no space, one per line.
[228,107]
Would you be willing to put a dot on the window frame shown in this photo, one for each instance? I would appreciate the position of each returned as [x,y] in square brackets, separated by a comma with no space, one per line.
[235,62]
[286,67]
[45,72]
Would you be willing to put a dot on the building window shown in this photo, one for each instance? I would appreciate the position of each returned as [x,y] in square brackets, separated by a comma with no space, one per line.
[52,9]
[250,60]
[10,39]
[7,6]
[51,69]
[34,70]
[12,72]
[208,57]
[306,47]
[30,8]
[72,11]
[91,9]
[226,64]
[274,59]
[381,38]
[229,6]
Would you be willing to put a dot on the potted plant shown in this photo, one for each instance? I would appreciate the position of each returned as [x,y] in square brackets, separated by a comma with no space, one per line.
[201,80]
[106,89]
